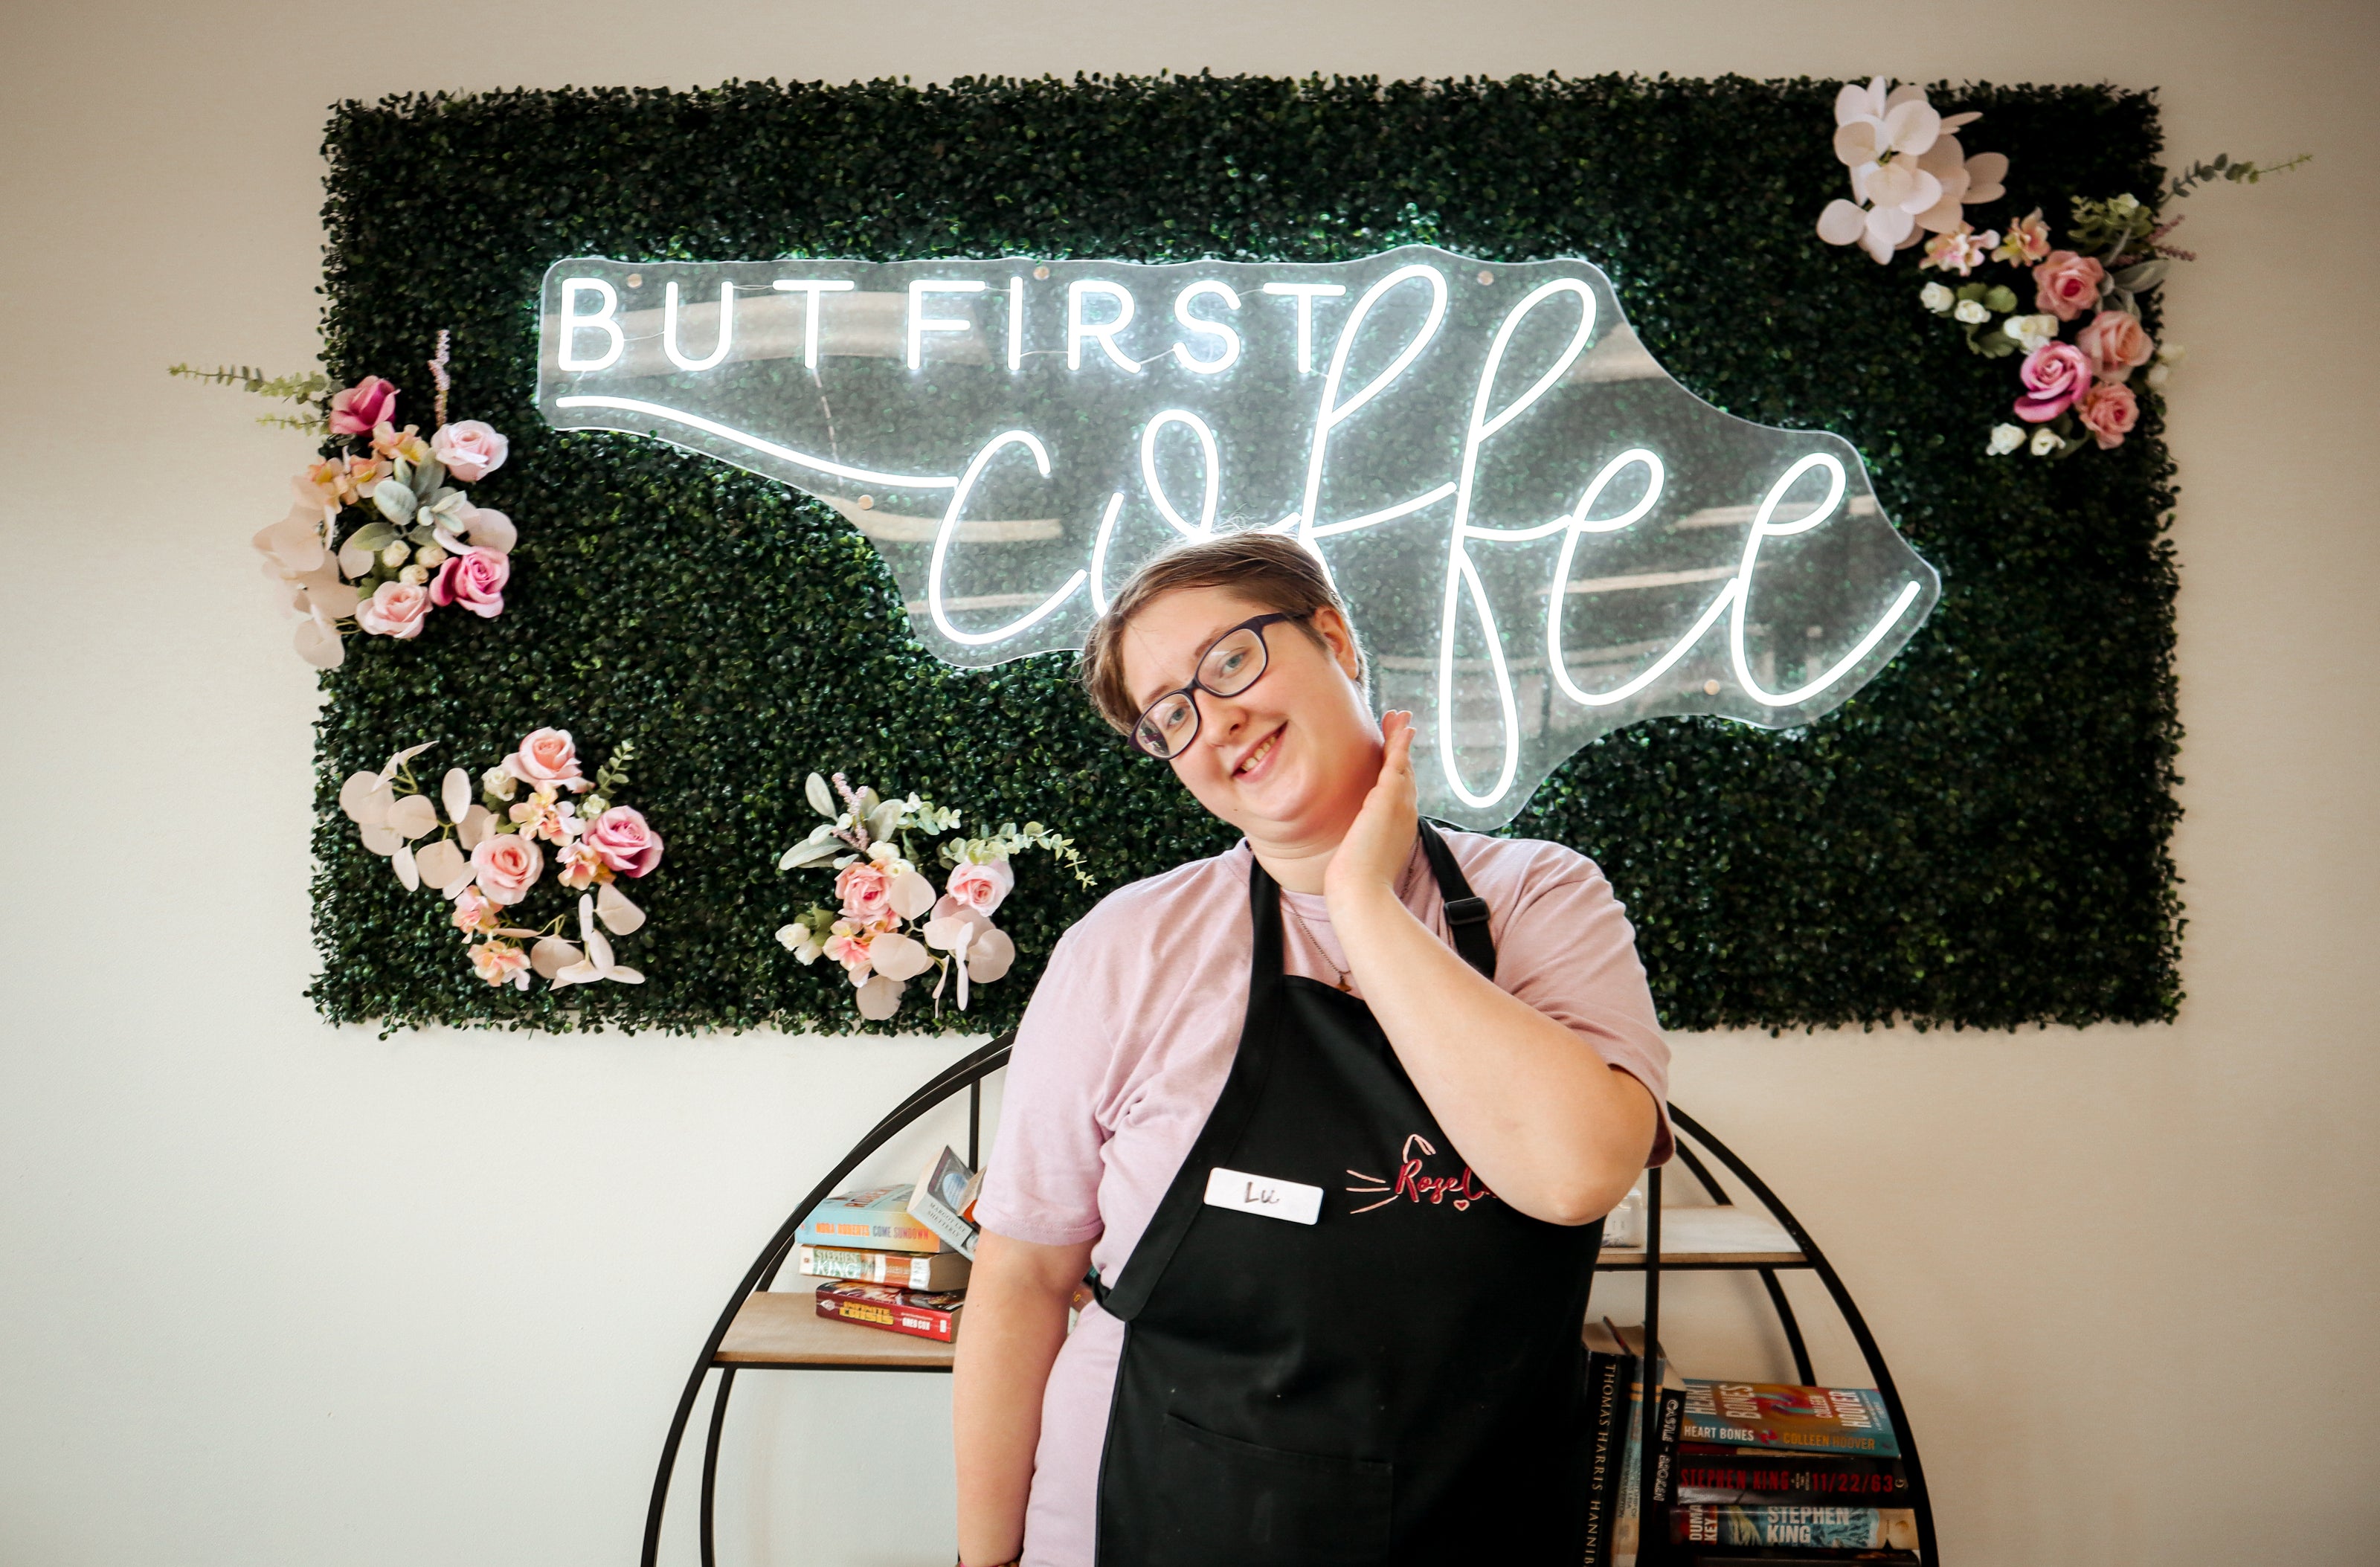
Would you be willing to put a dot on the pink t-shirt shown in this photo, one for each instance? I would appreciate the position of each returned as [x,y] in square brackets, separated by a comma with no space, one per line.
[1132,1029]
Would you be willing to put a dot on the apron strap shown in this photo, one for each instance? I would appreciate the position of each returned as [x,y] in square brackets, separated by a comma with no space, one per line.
[1241,1089]
[1466,915]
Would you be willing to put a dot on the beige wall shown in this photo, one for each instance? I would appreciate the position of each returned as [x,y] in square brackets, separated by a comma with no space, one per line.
[281,1295]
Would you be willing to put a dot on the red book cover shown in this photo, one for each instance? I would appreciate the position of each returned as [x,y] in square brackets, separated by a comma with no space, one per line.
[919,1313]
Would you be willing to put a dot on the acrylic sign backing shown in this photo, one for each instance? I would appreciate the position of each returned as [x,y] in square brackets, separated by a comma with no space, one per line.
[1542,536]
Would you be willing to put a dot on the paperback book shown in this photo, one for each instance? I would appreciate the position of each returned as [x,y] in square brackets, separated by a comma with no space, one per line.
[925,1314]
[1765,1414]
[944,1191]
[1608,1372]
[903,1269]
[1795,1528]
[1767,1476]
[872,1219]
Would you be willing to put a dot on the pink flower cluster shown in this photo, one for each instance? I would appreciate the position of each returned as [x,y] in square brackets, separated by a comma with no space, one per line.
[419,543]
[2085,377]
[2088,375]
[890,925]
[493,862]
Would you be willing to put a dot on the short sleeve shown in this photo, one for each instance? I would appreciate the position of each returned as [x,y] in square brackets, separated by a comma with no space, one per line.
[1566,947]
[1042,1183]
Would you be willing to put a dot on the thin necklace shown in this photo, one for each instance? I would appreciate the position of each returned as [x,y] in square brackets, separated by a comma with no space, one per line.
[1315,941]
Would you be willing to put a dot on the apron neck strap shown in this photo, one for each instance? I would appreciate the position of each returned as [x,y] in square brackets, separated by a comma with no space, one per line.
[1466,914]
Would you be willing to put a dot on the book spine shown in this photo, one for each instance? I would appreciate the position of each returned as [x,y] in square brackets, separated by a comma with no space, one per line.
[936,1215]
[943,1327]
[1606,1376]
[1793,1528]
[1752,1556]
[1767,1477]
[1668,1421]
[1857,1444]
[859,1233]
[1627,1513]
[906,1271]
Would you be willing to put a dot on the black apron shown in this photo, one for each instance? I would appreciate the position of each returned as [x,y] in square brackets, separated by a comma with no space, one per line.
[1400,1382]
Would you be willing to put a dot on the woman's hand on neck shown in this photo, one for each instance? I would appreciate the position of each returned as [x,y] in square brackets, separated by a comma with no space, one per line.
[1361,849]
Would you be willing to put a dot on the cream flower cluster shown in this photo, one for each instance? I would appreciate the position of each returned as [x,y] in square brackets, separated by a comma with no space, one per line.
[890,926]
[1909,174]
[490,853]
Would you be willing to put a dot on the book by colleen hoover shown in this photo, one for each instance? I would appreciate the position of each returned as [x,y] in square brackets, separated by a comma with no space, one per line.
[1767,1415]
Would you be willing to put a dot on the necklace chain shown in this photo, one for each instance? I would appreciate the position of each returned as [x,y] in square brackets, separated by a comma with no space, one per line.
[1315,941]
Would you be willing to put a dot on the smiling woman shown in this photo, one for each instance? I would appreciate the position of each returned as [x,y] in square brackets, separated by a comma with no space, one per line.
[1299,1170]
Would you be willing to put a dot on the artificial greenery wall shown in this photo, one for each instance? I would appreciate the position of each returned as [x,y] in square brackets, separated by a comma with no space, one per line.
[1978,838]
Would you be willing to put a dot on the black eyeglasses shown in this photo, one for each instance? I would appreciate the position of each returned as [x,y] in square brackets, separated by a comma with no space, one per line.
[1231,663]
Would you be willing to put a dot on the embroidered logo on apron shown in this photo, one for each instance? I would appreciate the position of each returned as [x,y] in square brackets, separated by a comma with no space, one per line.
[1414,1182]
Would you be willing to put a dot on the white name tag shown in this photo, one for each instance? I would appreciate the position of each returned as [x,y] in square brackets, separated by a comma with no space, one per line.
[1263,1194]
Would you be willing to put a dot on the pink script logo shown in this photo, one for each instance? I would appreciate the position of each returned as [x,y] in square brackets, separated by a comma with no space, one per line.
[1412,1183]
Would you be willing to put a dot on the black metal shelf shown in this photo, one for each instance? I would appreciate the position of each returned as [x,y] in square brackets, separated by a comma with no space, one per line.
[802,1342]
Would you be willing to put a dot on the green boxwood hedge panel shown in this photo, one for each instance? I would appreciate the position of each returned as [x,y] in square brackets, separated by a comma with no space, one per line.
[1978,838]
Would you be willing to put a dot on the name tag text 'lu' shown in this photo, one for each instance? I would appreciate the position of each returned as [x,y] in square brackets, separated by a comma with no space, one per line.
[1263,1194]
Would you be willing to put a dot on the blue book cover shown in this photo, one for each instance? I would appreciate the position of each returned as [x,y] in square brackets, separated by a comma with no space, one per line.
[1845,1421]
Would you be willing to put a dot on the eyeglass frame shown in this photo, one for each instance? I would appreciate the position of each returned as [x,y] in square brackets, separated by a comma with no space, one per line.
[1198,715]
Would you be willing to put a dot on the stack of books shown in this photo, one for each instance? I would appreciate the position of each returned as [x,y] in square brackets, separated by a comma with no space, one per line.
[896,1257]
[1741,1472]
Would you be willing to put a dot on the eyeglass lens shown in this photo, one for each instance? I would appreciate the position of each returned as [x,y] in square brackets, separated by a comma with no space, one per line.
[1231,666]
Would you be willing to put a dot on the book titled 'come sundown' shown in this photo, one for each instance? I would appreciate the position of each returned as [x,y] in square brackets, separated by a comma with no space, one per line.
[873,1219]
[1849,1420]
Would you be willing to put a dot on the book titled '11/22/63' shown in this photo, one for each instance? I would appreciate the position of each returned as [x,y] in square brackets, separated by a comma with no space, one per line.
[925,1314]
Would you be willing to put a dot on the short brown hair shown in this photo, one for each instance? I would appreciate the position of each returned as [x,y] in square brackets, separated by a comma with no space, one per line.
[1266,568]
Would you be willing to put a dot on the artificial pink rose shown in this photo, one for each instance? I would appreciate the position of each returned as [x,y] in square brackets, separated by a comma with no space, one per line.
[2116,344]
[625,843]
[547,758]
[474,579]
[2109,412]
[508,866]
[982,887]
[2055,376]
[395,609]
[863,889]
[470,450]
[2066,285]
[362,405]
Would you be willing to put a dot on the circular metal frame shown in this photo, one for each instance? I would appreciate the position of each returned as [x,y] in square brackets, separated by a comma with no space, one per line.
[969,1071]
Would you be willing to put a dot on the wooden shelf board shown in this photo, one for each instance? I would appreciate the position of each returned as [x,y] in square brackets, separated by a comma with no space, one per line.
[781,1328]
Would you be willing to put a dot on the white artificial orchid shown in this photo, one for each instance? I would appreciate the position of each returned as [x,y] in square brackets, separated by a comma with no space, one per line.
[599,963]
[1907,173]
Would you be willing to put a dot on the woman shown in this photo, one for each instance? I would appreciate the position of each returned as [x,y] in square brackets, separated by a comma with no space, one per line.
[1341,1188]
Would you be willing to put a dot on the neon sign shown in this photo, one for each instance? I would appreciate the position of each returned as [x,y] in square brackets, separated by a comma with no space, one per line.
[1543,537]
